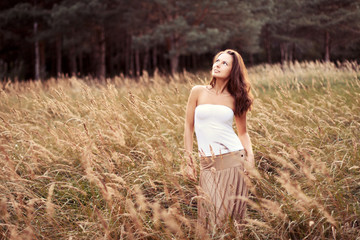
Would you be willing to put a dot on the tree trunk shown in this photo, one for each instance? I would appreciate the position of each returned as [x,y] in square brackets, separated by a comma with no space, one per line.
[127,51]
[42,60]
[182,63]
[174,55]
[327,46]
[37,53]
[163,63]
[174,63]
[58,56]
[110,59]
[251,59]
[81,64]
[146,60]
[72,61]
[137,62]
[267,45]
[131,63]
[282,53]
[194,61]
[154,58]
[101,73]
[292,53]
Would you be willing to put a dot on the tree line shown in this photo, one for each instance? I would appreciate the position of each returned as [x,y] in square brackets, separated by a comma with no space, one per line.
[104,38]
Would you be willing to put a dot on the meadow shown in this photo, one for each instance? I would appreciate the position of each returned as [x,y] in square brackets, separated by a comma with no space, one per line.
[80,159]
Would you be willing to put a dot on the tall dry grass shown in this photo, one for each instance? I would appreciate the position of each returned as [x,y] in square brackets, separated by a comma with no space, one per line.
[87,160]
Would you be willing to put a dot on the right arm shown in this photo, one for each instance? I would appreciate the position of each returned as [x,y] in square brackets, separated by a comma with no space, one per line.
[189,120]
[190,170]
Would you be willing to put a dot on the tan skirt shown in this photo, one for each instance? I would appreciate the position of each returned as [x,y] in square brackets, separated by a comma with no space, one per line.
[222,189]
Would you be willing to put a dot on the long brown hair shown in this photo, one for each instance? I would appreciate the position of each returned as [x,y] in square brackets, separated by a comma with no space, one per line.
[238,84]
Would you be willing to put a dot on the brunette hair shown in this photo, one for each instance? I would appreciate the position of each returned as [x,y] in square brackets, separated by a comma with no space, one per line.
[238,84]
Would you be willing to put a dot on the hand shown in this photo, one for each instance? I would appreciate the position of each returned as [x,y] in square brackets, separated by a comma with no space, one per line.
[249,164]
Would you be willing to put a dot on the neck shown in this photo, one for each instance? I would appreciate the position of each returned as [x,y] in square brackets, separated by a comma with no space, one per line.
[220,85]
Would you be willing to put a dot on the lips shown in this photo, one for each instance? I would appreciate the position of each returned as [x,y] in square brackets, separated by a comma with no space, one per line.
[216,71]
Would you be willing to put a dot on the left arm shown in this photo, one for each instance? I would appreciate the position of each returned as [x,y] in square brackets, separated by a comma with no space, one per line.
[244,137]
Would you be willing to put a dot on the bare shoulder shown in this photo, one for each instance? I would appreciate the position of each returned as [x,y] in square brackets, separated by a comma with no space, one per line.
[198,89]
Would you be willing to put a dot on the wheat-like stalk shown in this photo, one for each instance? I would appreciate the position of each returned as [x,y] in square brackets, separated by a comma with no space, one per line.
[82,159]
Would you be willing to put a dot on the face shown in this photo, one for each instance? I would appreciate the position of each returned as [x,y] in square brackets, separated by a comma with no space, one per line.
[222,66]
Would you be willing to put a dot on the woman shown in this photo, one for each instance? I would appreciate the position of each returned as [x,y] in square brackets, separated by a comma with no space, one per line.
[210,112]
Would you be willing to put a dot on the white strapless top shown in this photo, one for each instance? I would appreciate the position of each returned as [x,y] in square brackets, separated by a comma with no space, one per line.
[213,129]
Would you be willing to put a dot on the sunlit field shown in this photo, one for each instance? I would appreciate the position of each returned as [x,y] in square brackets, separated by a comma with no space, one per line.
[81,159]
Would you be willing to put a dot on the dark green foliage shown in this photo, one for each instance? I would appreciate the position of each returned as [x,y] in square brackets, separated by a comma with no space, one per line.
[110,37]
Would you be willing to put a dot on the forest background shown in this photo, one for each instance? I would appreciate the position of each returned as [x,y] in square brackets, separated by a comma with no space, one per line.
[40,39]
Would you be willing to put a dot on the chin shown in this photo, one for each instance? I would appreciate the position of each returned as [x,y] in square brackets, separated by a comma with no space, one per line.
[214,75]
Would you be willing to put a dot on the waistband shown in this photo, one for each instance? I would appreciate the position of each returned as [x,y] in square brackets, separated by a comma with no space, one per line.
[223,161]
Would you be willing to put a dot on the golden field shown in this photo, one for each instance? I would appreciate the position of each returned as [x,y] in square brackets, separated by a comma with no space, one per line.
[81,159]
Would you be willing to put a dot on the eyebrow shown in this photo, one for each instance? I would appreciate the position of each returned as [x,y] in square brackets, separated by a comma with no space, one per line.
[222,60]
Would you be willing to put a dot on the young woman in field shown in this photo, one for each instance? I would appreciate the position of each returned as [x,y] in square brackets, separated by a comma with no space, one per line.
[210,112]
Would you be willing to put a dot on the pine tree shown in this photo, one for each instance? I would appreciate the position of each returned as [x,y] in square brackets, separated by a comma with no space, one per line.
[330,22]
[191,27]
